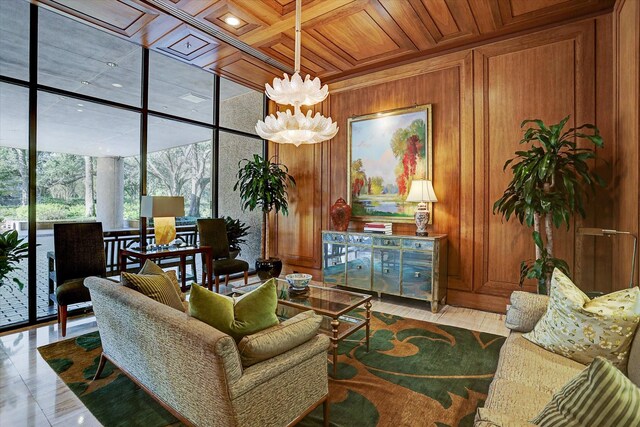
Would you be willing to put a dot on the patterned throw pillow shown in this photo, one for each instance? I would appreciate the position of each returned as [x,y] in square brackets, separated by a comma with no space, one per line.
[155,286]
[151,267]
[599,396]
[583,329]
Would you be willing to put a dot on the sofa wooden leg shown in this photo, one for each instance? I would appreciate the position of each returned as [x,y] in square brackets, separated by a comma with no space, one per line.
[101,364]
[246,277]
[325,413]
[62,312]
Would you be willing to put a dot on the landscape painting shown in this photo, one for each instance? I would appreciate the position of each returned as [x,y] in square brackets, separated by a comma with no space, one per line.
[387,151]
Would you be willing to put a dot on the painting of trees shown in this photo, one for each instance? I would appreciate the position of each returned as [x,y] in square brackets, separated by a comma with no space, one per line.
[388,151]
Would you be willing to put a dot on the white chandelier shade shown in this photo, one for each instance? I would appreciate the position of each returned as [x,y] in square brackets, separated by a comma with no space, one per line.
[296,128]
[297,92]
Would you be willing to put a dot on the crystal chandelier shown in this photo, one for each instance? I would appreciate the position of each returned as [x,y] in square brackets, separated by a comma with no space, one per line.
[296,128]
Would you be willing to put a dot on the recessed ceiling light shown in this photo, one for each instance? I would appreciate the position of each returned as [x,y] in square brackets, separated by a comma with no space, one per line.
[232,20]
[79,110]
[80,105]
[116,85]
[112,64]
[191,97]
[84,82]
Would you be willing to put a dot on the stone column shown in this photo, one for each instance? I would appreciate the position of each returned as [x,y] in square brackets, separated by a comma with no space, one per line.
[110,192]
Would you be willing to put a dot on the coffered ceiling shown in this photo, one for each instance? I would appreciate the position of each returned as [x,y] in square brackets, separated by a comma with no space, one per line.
[340,38]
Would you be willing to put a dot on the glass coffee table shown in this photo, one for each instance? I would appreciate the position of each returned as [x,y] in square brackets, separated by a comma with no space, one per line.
[331,303]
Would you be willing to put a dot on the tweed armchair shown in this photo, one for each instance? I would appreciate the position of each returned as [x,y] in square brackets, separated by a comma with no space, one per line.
[195,371]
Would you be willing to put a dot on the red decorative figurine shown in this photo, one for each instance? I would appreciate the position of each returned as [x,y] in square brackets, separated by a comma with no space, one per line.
[340,215]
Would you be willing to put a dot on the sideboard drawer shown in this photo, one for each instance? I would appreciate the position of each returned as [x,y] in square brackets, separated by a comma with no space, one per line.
[386,271]
[418,245]
[387,242]
[417,274]
[359,269]
[334,237]
[357,239]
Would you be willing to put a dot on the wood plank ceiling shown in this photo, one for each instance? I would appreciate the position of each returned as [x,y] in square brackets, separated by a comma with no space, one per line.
[341,38]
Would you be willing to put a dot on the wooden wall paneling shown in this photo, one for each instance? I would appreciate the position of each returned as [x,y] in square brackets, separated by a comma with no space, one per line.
[511,86]
[446,84]
[627,130]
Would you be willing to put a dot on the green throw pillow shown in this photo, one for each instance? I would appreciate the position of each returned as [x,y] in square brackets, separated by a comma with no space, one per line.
[599,396]
[155,286]
[237,316]
[278,339]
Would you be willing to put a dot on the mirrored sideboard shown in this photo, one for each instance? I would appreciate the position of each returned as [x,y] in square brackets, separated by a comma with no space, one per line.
[404,265]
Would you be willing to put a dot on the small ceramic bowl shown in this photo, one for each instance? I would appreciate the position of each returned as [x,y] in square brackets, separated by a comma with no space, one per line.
[298,280]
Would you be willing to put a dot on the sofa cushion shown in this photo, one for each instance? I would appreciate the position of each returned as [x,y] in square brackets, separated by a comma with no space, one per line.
[633,367]
[236,316]
[525,310]
[486,417]
[155,286]
[599,396]
[521,401]
[523,362]
[278,339]
[583,329]
[151,267]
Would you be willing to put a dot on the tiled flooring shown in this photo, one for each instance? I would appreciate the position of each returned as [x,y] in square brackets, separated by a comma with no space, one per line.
[31,394]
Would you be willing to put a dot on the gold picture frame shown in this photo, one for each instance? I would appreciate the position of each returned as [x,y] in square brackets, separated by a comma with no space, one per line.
[395,146]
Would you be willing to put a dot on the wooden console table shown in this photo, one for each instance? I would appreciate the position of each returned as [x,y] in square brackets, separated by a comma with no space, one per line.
[172,252]
[404,265]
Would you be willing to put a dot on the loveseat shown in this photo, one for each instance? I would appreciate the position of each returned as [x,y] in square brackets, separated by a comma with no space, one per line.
[528,375]
[195,371]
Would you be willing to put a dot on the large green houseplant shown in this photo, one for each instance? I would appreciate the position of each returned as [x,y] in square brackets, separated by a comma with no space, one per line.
[549,185]
[12,251]
[263,185]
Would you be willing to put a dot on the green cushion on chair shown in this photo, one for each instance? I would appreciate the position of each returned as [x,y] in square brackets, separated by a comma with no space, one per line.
[244,315]
[222,267]
[72,292]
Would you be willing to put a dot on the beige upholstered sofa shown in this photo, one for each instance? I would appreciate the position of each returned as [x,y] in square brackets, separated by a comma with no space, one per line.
[527,375]
[195,371]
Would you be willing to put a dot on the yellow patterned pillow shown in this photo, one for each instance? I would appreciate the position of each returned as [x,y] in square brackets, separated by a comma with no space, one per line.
[582,329]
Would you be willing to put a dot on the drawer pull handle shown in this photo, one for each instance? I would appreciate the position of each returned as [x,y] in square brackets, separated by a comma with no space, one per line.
[416,274]
[335,262]
[359,267]
[386,270]
[418,245]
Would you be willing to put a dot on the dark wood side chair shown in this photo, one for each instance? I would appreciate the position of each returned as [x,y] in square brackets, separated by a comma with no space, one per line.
[213,232]
[79,253]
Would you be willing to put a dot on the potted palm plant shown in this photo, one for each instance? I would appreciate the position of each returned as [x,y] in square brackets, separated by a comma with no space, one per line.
[263,185]
[550,183]
[236,231]
[12,251]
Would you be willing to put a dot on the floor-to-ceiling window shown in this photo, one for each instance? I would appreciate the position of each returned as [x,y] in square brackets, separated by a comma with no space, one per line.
[82,117]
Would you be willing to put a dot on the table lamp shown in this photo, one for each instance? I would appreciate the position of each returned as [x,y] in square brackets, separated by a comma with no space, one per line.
[163,210]
[422,191]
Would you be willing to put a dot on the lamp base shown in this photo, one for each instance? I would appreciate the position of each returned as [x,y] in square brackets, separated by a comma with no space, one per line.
[164,230]
[422,219]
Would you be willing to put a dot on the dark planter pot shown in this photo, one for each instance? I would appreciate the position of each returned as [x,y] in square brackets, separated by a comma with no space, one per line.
[268,268]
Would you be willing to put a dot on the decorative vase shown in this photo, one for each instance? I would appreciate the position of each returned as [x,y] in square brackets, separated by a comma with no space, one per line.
[268,268]
[340,215]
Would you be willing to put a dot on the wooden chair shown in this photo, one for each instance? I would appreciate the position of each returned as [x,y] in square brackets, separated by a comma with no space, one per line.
[79,253]
[213,232]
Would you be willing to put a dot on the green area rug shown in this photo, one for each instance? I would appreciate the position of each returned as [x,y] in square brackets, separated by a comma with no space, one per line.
[416,373]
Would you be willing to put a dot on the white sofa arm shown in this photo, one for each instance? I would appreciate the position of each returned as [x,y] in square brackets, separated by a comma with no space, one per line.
[525,311]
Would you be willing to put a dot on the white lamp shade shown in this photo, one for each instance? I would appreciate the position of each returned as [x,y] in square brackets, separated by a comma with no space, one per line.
[161,206]
[421,191]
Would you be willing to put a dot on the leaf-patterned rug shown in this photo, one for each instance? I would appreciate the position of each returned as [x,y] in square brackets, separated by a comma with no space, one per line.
[416,373]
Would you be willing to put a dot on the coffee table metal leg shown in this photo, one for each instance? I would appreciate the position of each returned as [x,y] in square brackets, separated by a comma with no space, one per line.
[334,344]
[367,306]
